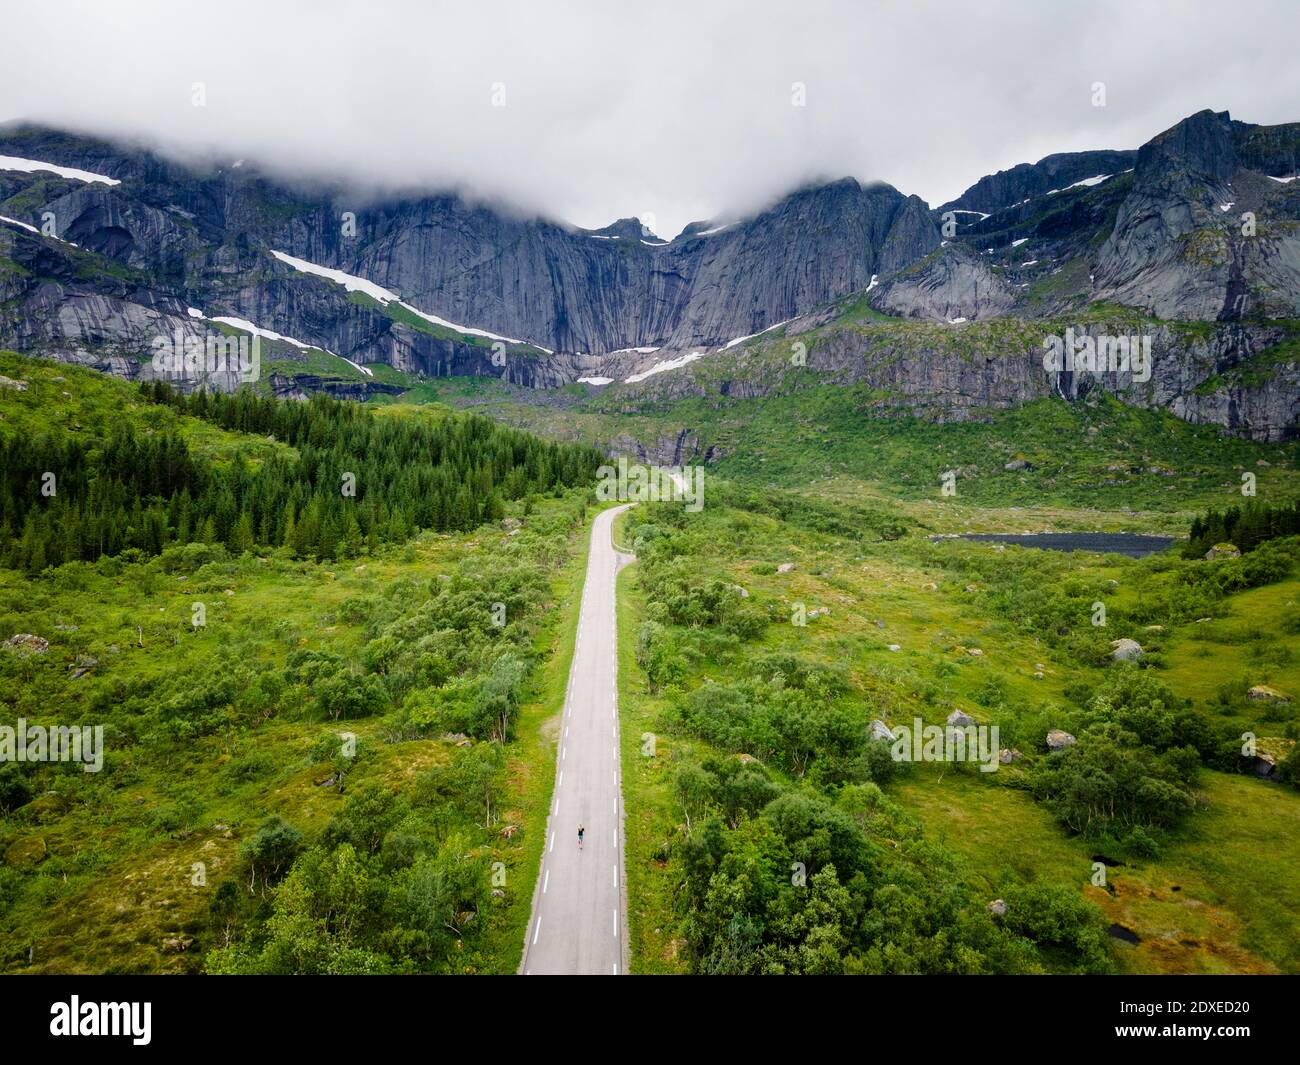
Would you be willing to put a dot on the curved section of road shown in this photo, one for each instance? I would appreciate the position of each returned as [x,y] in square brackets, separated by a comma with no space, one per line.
[579,922]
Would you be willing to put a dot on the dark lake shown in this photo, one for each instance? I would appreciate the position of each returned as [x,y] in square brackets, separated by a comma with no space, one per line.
[1134,545]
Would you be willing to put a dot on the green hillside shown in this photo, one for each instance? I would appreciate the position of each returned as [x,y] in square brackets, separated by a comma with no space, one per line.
[312,762]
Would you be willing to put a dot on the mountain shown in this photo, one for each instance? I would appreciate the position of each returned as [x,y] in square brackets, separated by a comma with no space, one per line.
[1023,182]
[106,247]
[206,237]
[1200,224]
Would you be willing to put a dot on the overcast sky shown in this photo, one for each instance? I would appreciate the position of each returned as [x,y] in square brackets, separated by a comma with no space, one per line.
[678,110]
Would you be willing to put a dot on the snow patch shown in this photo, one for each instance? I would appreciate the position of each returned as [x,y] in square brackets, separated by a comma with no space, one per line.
[1087,182]
[381,295]
[1017,243]
[1030,263]
[956,321]
[33,229]
[31,166]
[1282,180]
[24,225]
[356,366]
[661,367]
[246,326]
[741,340]
[595,380]
[1226,206]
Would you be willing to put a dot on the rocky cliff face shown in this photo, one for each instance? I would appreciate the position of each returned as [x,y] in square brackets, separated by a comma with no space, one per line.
[1202,223]
[206,237]
[1202,235]
[952,285]
[960,373]
[1026,181]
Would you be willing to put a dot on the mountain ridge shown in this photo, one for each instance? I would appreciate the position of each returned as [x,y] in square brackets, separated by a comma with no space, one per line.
[92,271]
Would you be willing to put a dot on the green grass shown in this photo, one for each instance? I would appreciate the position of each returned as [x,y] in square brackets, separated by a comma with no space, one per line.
[1234,863]
[647,800]
[118,848]
[1208,904]
[1099,455]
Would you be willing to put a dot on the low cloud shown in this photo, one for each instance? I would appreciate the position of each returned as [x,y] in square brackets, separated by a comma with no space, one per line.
[587,111]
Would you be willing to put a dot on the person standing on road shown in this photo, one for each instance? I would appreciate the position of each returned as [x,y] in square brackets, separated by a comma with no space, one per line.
[581,830]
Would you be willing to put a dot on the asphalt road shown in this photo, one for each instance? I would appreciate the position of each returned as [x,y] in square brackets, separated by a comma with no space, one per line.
[579,922]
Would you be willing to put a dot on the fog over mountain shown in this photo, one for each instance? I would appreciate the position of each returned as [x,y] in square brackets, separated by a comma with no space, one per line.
[674,112]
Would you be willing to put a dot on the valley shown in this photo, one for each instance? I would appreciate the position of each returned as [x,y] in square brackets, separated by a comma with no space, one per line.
[368,630]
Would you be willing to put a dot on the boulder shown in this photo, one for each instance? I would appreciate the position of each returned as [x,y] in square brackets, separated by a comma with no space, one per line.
[895,647]
[1262,765]
[10,383]
[1222,551]
[1264,692]
[785,567]
[1018,464]
[27,853]
[960,718]
[1009,756]
[1126,650]
[27,644]
[1059,739]
[997,907]
[881,731]
[83,665]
